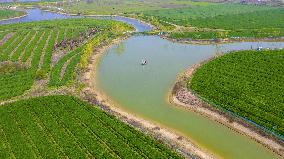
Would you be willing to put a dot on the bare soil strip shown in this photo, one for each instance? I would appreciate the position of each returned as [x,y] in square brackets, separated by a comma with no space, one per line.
[182,97]
[6,38]
[177,141]
[56,56]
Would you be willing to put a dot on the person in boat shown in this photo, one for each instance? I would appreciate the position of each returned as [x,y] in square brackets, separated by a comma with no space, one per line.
[144,62]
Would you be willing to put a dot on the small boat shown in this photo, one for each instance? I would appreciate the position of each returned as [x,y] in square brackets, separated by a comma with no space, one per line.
[259,48]
[144,62]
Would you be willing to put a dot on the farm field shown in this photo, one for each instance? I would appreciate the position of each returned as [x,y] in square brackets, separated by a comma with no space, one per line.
[110,7]
[248,83]
[221,21]
[65,127]
[6,14]
[48,68]
[49,50]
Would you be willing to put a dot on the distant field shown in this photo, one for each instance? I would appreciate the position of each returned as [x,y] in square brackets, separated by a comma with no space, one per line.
[123,6]
[231,20]
[248,83]
[49,50]
[6,14]
[65,127]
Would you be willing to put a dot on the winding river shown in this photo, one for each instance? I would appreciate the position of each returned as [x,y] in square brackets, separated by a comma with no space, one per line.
[143,90]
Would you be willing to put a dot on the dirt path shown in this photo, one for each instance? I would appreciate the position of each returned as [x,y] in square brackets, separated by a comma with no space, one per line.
[183,97]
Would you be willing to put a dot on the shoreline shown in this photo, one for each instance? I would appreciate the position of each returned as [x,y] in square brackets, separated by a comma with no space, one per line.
[14,17]
[153,27]
[101,15]
[223,41]
[181,97]
[167,136]
[212,41]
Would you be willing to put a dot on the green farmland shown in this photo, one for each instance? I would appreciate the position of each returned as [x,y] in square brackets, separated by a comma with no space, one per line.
[248,83]
[108,7]
[65,127]
[222,21]
[97,79]
[49,50]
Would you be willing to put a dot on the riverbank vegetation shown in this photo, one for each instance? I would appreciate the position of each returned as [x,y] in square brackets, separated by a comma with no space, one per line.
[66,127]
[7,14]
[247,83]
[49,50]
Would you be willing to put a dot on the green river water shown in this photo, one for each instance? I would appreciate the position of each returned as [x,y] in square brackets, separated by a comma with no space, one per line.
[143,90]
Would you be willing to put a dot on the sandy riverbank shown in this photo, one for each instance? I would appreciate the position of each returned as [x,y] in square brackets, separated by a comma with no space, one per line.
[97,97]
[182,97]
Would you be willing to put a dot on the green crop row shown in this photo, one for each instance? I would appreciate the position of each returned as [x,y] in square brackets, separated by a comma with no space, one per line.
[15,56]
[48,52]
[247,83]
[242,33]
[29,50]
[235,19]
[9,49]
[65,127]
[33,47]
[55,79]
[14,84]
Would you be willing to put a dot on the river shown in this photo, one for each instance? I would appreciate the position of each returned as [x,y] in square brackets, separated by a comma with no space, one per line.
[143,90]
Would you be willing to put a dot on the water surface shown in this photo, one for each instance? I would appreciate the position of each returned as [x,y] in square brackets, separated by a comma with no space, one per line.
[36,14]
[143,90]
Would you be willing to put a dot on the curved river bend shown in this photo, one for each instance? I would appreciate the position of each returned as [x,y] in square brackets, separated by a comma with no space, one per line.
[143,90]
